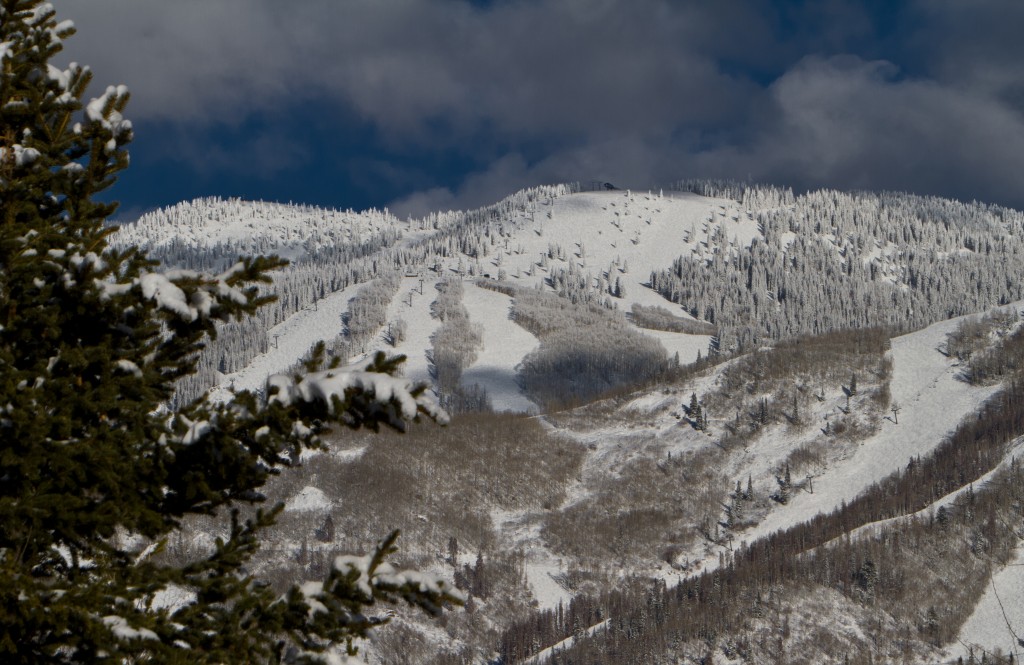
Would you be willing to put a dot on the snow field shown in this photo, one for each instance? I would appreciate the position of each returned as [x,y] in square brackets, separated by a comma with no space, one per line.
[544,655]
[998,618]
[874,528]
[687,346]
[642,231]
[505,344]
[541,565]
[414,308]
[294,337]
[924,382]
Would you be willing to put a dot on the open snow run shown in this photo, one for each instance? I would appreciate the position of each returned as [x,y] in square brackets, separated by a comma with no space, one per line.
[541,566]
[412,305]
[625,234]
[504,345]
[873,528]
[292,338]
[308,498]
[998,618]
[545,654]
[924,382]
[687,346]
[546,591]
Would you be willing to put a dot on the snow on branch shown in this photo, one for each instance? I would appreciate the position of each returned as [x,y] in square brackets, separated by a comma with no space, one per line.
[167,292]
[123,631]
[105,110]
[327,385]
[369,573]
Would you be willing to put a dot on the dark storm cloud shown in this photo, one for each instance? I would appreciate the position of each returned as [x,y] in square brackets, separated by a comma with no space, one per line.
[519,67]
[974,44]
[926,97]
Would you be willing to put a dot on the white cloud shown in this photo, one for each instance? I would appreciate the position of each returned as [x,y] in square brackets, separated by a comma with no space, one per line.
[851,123]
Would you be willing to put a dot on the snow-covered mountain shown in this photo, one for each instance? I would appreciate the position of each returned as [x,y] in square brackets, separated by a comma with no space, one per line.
[689,351]
[759,266]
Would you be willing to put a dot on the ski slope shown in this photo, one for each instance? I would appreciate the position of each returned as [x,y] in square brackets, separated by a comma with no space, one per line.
[615,236]
[522,531]
[505,344]
[924,382]
[413,307]
[998,619]
[630,232]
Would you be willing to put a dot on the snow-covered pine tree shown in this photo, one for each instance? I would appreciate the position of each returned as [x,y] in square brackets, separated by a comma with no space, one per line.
[96,471]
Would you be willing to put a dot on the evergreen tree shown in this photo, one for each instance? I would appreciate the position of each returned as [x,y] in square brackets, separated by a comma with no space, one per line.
[785,486]
[98,468]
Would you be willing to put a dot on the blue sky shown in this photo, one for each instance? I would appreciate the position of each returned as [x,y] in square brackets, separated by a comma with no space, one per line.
[428,104]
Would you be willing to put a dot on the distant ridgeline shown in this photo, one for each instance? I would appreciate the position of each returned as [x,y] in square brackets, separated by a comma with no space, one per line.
[831,260]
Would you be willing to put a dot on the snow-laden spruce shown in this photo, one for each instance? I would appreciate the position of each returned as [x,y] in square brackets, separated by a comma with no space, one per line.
[98,468]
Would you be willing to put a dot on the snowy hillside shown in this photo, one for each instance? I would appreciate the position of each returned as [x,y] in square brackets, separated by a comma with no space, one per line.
[252,227]
[702,371]
[613,239]
[761,265]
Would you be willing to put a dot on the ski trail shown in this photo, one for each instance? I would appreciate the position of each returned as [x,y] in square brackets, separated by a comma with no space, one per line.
[505,344]
[924,382]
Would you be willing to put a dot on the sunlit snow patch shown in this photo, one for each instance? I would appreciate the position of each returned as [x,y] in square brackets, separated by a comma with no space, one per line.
[308,498]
